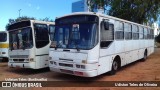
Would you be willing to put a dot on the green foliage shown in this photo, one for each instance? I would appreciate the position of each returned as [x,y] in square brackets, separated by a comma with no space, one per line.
[98,4]
[47,19]
[140,11]
[158,38]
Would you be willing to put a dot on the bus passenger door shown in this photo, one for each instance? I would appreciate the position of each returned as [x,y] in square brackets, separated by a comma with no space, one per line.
[106,46]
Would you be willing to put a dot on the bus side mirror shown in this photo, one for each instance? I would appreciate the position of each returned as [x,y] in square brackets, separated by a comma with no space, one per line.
[51,29]
[106,25]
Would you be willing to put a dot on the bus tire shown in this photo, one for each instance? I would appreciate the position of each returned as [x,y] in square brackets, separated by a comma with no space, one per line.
[115,67]
[145,56]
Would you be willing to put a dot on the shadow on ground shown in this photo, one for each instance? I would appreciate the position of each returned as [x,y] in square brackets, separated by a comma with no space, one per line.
[24,71]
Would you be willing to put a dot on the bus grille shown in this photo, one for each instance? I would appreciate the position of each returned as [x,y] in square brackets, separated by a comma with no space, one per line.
[19,56]
[66,71]
[18,60]
[65,65]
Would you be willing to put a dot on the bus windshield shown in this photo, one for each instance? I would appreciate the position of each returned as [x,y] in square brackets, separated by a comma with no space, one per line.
[3,37]
[21,38]
[76,35]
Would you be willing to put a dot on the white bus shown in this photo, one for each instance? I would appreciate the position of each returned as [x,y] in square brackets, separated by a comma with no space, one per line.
[89,44]
[29,43]
[4,45]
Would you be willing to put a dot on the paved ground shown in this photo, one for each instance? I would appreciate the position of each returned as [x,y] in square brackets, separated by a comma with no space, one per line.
[138,71]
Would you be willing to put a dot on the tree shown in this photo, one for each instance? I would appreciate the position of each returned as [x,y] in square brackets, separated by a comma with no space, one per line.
[47,19]
[139,11]
[98,4]
[158,38]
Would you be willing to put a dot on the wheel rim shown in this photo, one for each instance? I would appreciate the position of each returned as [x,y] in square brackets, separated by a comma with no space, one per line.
[115,65]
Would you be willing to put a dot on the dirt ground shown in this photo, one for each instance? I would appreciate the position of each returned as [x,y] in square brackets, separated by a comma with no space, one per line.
[137,71]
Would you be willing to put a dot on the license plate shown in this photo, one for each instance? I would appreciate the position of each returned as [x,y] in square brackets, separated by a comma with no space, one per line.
[17,66]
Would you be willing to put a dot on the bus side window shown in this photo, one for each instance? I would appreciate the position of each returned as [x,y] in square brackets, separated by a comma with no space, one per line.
[107,36]
[135,32]
[145,33]
[141,35]
[148,33]
[119,31]
[152,33]
[51,32]
[128,31]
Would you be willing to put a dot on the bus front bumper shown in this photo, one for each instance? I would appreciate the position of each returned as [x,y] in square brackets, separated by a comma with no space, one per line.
[84,73]
[22,65]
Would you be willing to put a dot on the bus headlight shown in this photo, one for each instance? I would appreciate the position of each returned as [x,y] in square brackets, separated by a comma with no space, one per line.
[77,66]
[80,66]
[10,60]
[83,66]
[31,59]
[27,60]
[84,61]
[51,62]
[3,52]
[50,58]
[55,63]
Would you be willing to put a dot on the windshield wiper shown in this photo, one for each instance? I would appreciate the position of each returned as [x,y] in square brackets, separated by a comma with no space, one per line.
[76,45]
[57,46]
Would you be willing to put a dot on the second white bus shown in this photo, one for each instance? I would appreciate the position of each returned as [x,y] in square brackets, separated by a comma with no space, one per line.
[90,44]
[29,44]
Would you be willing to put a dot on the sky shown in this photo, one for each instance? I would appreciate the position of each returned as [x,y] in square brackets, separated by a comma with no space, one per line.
[9,9]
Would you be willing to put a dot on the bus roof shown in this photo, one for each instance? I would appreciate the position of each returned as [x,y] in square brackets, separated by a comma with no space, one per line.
[3,31]
[25,23]
[102,15]
[37,21]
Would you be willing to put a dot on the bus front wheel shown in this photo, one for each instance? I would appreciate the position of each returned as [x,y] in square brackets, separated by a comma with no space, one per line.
[115,66]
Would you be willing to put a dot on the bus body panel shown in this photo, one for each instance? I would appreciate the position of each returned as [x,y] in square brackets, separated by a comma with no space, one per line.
[4,46]
[22,65]
[4,53]
[42,56]
[20,58]
[104,64]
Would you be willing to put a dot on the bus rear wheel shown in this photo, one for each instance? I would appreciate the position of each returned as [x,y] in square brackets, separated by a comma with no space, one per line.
[115,67]
[144,57]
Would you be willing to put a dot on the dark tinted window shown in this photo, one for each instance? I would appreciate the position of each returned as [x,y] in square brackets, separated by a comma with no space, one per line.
[21,39]
[77,19]
[41,35]
[19,25]
[3,37]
